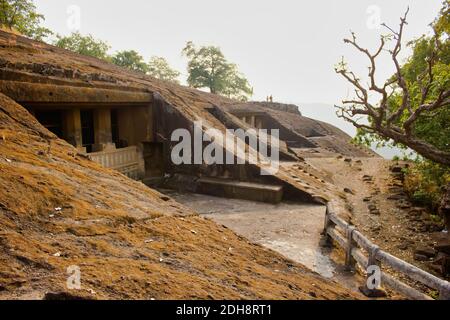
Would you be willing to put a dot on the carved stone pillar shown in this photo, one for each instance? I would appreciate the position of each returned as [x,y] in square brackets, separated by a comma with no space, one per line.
[102,130]
[72,128]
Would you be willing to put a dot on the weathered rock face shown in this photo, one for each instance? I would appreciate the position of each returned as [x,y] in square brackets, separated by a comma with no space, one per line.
[317,134]
[59,210]
[444,209]
[428,252]
[290,108]
[129,240]
[443,246]
[37,71]
[441,263]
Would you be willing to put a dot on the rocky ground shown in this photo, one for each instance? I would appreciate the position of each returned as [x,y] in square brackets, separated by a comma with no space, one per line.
[292,229]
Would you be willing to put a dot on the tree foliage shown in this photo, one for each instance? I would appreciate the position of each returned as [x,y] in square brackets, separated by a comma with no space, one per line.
[131,60]
[208,68]
[414,108]
[85,45]
[427,73]
[159,68]
[21,16]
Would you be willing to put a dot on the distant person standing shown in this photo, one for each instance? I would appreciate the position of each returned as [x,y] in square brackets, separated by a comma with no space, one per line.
[271,98]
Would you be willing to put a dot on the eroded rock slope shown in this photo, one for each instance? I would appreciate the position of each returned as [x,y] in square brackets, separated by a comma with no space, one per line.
[58,209]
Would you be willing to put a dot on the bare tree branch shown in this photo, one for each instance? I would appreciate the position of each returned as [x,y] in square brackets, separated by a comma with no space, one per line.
[382,121]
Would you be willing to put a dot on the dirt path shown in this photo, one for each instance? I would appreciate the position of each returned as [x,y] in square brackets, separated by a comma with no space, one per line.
[288,228]
[367,182]
[378,211]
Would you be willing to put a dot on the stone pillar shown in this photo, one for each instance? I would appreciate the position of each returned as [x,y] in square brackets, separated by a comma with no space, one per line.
[102,130]
[258,123]
[72,128]
[126,126]
[253,121]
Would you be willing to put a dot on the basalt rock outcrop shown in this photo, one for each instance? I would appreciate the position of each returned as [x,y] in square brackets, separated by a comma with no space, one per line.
[61,212]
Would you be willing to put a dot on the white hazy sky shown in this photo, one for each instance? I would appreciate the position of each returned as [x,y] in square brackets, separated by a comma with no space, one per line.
[286,48]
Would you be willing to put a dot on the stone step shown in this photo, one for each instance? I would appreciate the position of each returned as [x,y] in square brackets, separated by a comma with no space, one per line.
[240,190]
[152,181]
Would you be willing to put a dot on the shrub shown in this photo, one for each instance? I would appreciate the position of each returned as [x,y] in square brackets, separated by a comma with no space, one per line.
[424,182]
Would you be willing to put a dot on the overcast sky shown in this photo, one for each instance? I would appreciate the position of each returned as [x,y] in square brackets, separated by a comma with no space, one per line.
[286,48]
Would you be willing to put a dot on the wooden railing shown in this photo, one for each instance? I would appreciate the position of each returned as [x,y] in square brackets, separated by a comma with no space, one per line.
[360,250]
[124,160]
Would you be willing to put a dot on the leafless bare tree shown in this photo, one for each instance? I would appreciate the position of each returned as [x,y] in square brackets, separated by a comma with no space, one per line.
[384,121]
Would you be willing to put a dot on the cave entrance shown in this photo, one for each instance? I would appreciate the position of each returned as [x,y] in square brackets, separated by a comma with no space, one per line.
[154,159]
[52,121]
[87,129]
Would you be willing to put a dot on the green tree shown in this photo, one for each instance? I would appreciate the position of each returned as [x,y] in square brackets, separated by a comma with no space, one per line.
[414,109]
[208,68]
[159,68]
[85,45]
[131,60]
[21,16]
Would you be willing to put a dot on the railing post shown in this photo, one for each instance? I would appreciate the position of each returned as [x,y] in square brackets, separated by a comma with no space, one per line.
[327,221]
[349,261]
[326,239]
[373,292]
[372,261]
